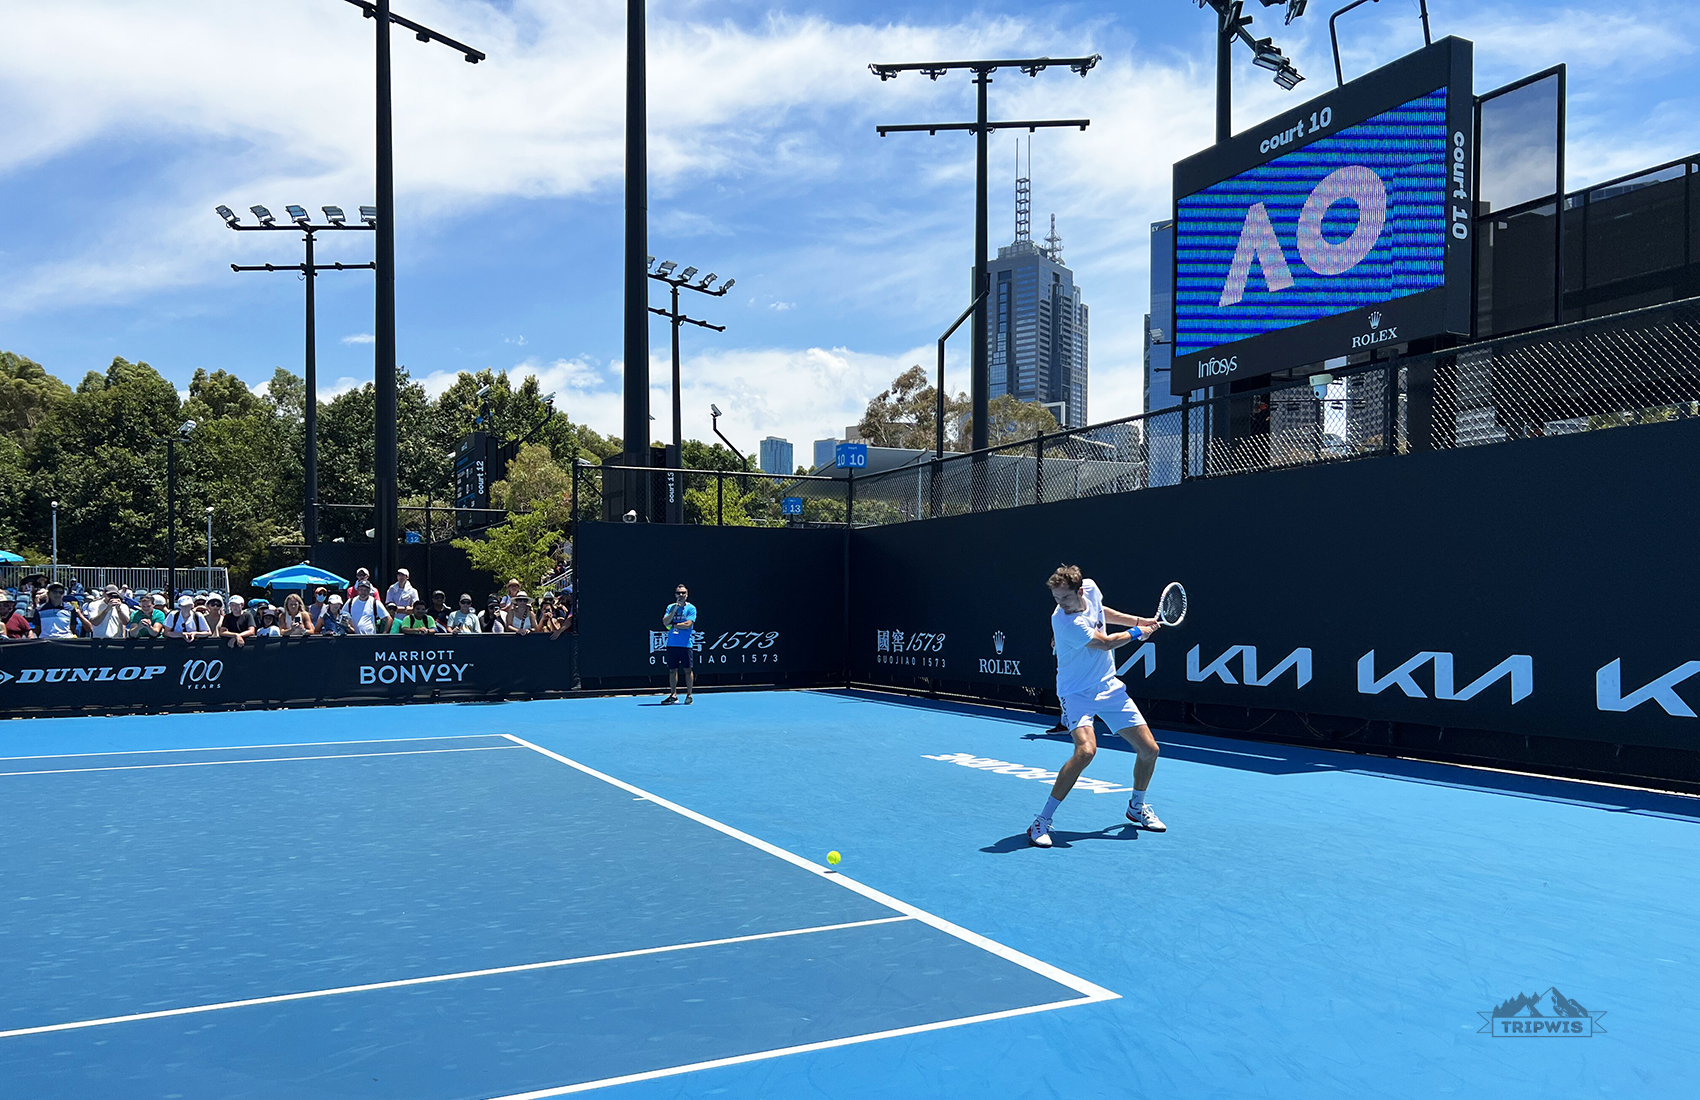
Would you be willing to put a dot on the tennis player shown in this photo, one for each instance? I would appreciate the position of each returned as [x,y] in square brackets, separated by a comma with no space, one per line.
[1087,686]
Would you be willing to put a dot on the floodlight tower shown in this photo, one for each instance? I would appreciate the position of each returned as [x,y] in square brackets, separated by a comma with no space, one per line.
[1232,24]
[386,458]
[664,274]
[300,220]
[980,383]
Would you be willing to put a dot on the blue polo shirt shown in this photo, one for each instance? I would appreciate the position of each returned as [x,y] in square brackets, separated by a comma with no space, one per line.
[683,621]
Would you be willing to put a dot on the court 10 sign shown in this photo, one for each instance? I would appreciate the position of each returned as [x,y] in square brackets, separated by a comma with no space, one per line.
[852,456]
[1340,227]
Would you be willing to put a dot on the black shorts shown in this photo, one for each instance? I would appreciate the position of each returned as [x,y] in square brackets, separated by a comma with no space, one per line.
[679,656]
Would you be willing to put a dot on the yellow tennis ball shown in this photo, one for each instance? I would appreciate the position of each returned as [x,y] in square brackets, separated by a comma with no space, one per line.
[833,858]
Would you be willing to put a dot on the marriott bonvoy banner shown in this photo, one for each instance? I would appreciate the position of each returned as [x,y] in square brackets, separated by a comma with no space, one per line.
[73,675]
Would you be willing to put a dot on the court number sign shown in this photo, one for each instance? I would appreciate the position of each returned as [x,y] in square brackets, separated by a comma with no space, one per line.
[852,456]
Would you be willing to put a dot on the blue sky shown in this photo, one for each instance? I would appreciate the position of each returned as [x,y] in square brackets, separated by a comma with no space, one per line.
[124,122]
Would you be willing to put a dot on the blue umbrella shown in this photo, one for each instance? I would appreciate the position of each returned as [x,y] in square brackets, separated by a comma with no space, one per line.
[298,576]
[9,558]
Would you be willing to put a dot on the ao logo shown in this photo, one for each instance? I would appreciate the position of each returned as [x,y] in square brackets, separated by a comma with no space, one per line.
[1258,242]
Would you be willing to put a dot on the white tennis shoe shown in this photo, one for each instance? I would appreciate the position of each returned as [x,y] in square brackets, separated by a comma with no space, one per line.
[1039,833]
[1145,817]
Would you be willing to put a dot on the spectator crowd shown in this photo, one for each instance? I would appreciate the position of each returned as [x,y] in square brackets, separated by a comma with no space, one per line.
[49,610]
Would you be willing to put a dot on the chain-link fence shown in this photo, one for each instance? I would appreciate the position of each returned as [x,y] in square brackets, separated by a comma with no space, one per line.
[724,498]
[1630,368]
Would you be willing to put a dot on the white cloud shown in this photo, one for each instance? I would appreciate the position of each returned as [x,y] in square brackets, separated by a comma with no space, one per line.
[358,338]
[782,306]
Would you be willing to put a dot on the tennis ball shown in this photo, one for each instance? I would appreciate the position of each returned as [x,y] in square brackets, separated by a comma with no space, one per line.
[833,858]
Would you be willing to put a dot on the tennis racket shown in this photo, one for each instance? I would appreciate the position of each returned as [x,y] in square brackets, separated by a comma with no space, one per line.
[1171,606]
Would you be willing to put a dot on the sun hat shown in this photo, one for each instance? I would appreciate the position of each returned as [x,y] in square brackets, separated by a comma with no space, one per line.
[185,601]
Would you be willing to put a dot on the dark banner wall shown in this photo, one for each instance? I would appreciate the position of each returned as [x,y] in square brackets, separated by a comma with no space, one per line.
[1539,588]
[107,677]
[770,602]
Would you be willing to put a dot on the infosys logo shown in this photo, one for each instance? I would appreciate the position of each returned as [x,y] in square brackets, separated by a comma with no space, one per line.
[1210,367]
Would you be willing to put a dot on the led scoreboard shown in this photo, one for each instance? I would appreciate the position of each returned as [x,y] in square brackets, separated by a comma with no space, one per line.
[1339,227]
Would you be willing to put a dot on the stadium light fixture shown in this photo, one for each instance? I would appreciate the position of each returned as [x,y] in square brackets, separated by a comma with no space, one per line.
[682,280]
[650,264]
[228,215]
[369,215]
[1231,23]
[263,214]
[727,285]
[297,214]
[981,128]
[334,215]
[708,280]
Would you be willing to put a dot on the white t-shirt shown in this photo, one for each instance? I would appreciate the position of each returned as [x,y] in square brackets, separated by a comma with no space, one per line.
[1080,669]
[363,614]
[403,595]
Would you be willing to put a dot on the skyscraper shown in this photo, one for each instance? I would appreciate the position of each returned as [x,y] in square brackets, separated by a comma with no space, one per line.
[1038,321]
[776,456]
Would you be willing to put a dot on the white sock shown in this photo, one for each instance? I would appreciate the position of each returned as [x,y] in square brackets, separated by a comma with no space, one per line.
[1051,805]
[1138,799]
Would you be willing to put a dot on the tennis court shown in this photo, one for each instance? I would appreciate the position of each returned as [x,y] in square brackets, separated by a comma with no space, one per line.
[535,899]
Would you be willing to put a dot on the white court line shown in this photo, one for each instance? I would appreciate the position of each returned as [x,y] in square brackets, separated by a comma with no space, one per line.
[436,978]
[1088,990]
[256,760]
[237,748]
[780,1052]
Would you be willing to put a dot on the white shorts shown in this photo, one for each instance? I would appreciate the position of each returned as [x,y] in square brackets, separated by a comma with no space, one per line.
[1111,704]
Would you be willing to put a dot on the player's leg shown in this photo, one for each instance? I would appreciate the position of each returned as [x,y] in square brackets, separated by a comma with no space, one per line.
[1145,764]
[1085,748]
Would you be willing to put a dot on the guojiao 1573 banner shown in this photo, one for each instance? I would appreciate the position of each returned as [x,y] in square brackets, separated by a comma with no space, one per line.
[1339,227]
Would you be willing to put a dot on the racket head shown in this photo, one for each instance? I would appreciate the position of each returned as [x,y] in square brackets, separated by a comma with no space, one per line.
[1171,606]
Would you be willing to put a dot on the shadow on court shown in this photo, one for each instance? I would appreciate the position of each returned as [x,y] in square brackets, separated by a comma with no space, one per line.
[1061,838]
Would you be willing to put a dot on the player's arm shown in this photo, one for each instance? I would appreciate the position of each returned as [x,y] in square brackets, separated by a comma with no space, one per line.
[1101,640]
[1122,618]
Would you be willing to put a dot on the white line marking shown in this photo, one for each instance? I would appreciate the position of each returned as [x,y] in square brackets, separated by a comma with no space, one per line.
[256,760]
[435,978]
[827,1044]
[236,748]
[1002,951]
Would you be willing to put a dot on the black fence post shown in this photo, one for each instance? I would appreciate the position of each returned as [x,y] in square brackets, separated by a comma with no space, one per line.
[849,497]
[1039,468]
[1390,405]
[572,505]
[720,498]
[1186,436]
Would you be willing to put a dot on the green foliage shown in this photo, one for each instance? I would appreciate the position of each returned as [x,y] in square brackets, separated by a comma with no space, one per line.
[906,415]
[27,393]
[535,481]
[523,547]
[709,456]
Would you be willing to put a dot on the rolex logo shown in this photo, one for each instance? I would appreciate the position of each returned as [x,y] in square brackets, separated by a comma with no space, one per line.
[1375,319]
[997,642]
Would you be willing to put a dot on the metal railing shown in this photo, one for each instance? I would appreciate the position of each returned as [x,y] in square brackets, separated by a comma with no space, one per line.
[1635,367]
[724,498]
[96,577]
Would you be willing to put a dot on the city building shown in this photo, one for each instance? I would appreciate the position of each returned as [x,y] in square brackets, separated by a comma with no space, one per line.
[776,456]
[1037,321]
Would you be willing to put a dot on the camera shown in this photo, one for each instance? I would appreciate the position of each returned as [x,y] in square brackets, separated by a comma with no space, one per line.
[631,516]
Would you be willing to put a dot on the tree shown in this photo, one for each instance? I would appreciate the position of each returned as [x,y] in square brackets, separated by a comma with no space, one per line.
[523,547]
[27,394]
[535,481]
[905,415]
[1010,419]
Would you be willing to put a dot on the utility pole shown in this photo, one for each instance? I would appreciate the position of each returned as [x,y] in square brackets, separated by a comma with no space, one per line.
[635,495]
[300,220]
[664,274]
[385,451]
[980,379]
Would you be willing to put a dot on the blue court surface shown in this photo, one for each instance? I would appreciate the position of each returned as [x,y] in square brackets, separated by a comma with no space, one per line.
[606,895]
